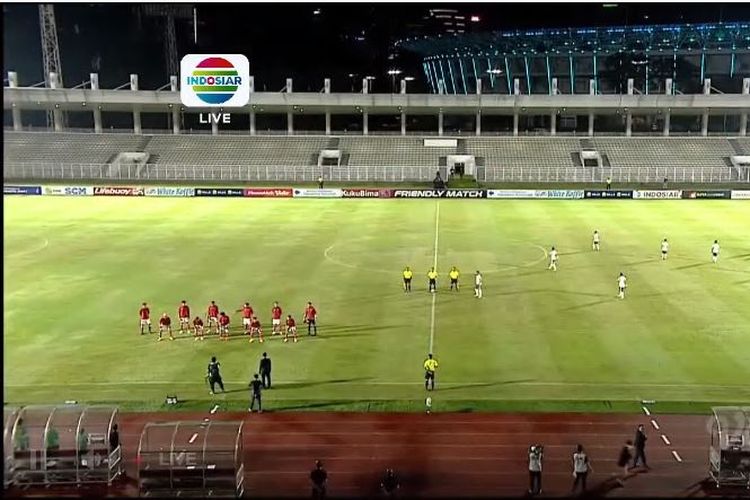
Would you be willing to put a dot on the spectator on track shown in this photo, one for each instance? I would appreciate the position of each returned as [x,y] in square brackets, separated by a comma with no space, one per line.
[640,447]
[390,484]
[626,454]
[536,453]
[319,479]
[114,438]
[581,468]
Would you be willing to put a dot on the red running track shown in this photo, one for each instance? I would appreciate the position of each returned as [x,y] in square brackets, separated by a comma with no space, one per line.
[450,455]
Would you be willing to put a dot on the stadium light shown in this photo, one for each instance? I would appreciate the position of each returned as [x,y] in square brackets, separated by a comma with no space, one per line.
[494,71]
[369,77]
[409,78]
[394,72]
[474,19]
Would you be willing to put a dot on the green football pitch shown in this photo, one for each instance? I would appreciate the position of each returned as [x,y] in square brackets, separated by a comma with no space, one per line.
[77,270]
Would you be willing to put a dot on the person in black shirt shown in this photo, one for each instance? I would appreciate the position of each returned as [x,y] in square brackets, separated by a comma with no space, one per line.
[114,439]
[214,377]
[640,447]
[624,460]
[390,483]
[319,478]
[257,386]
[265,371]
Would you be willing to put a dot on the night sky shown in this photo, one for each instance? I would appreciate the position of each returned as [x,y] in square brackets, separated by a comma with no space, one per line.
[290,40]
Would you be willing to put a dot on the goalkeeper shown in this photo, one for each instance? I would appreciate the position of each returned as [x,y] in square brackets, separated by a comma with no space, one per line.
[214,376]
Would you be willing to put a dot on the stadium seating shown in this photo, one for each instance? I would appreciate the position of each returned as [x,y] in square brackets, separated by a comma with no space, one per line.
[650,152]
[21,147]
[520,152]
[392,151]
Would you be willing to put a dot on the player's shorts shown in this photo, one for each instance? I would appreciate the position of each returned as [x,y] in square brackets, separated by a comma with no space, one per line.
[165,327]
[184,320]
[276,322]
[146,322]
[246,321]
[407,281]
[254,331]
[213,319]
[432,281]
[291,329]
[714,254]
[622,288]
[664,252]
[224,328]
[454,281]
[428,375]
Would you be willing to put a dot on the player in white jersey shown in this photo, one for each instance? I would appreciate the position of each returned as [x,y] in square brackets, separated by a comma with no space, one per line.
[553,259]
[595,243]
[664,249]
[622,284]
[715,251]
[478,285]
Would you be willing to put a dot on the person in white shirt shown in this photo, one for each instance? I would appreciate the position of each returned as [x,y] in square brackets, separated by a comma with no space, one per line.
[622,284]
[595,243]
[581,468]
[553,259]
[664,249]
[715,251]
[478,285]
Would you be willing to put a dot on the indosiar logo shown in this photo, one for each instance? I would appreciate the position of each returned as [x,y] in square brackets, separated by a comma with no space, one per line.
[213,80]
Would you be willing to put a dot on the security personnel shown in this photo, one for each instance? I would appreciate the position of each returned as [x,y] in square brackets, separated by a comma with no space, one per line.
[214,377]
[257,387]
[432,277]
[430,365]
[265,371]
[319,479]
[407,279]
[454,274]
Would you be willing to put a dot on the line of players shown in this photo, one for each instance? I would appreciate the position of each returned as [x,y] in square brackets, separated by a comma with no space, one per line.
[432,277]
[622,280]
[219,321]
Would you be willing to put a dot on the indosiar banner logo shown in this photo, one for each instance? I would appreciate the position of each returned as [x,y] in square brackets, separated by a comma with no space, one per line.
[215,80]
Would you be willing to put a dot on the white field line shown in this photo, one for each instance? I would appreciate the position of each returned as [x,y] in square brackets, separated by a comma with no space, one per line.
[214,409]
[656,426]
[645,410]
[665,439]
[434,265]
[29,251]
[193,438]
[676,456]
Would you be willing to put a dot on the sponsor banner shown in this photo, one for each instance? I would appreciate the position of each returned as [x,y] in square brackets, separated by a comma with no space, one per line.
[741,195]
[317,193]
[68,190]
[367,193]
[559,194]
[657,194]
[169,191]
[511,193]
[608,195]
[268,193]
[117,191]
[22,189]
[223,192]
[706,195]
[438,193]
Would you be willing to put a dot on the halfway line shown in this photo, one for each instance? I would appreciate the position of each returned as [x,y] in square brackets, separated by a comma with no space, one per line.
[434,265]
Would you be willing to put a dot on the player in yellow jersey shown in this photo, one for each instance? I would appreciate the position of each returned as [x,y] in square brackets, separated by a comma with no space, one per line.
[430,365]
[407,279]
[454,274]
[432,277]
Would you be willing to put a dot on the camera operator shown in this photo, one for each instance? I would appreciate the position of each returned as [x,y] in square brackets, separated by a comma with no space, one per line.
[536,453]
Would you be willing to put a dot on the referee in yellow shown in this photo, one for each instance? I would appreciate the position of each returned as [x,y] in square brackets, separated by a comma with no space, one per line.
[454,274]
[432,277]
[430,365]
[407,279]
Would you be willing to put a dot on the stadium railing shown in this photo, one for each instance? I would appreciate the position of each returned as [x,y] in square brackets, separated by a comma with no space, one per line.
[245,173]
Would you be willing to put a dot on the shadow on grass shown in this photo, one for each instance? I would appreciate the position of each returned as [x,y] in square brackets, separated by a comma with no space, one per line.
[691,266]
[484,384]
[302,385]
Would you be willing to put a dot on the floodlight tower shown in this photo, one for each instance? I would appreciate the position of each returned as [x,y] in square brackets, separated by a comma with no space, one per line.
[50,49]
[169,13]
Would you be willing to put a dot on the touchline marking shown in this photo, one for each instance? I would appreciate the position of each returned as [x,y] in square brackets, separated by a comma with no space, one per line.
[656,426]
[434,265]
[29,251]
[666,441]
[676,456]
[214,409]
[645,410]
[193,438]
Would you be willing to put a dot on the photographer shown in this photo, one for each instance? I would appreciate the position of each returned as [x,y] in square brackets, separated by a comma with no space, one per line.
[536,453]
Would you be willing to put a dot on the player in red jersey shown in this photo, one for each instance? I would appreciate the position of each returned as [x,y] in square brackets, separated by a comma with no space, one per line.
[198,328]
[212,317]
[165,324]
[311,318]
[223,326]
[256,329]
[247,316]
[145,314]
[291,328]
[183,314]
[276,313]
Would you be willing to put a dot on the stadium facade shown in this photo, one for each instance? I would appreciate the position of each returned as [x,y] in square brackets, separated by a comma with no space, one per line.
[684,54]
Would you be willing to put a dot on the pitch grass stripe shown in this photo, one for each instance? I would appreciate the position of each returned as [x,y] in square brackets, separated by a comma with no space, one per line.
[434,265]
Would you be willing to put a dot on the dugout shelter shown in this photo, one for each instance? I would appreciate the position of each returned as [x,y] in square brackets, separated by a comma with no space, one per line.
[191,459]
[729,456]
[67,444]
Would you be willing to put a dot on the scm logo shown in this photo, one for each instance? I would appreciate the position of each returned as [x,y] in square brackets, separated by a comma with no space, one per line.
[213,80]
